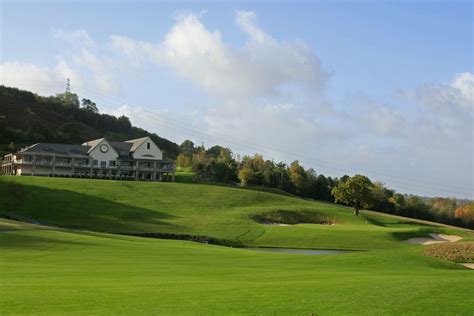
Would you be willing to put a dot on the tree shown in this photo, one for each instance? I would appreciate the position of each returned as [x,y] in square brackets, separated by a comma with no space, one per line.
[298,177]
[200,162]
[355,191]
[465,213]
[381,198]
[246,175]
[214,151]
[187,147]
[398,200]
[183,161]
[89,105]
[68,98]
[224,167]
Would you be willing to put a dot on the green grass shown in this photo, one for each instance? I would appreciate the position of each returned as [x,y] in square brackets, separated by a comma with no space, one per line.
[185,176]
[81,268]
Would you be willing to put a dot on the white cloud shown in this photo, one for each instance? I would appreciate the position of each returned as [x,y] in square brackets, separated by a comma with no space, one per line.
[84,59]
[261,68]
[76,38]
[464,82]
[247,22]
[42,80]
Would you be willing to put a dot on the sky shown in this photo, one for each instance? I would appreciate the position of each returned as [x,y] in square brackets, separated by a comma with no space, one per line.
[382,88]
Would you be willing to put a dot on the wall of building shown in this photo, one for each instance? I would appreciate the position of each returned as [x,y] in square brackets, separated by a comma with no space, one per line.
[96,154]
[142,152]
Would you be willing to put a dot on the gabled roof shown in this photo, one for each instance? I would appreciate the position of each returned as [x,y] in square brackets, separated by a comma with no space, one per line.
[57,149]
[93,143]
[137,142]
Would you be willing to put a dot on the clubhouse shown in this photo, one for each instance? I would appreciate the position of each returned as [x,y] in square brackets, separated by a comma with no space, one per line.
[136,159]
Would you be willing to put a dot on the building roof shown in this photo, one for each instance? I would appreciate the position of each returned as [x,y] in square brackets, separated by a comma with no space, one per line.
[93,143]
[136,143]
[57,149]
[122,148]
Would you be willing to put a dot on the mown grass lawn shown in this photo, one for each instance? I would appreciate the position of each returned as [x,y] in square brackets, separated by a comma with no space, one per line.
[82,268]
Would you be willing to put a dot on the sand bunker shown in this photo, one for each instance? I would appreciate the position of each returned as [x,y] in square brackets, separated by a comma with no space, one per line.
[276,224]
[435,239]
[468,265]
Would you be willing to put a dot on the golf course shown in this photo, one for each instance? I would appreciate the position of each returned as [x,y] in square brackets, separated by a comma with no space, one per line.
[76,247]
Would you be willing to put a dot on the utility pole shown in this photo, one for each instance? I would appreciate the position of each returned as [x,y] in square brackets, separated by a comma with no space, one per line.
[68,86]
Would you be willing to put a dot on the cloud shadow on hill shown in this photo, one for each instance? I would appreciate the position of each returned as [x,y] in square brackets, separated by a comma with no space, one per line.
[68,209]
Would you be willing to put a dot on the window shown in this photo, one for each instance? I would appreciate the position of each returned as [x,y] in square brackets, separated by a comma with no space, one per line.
[103,164]
[147,145]
[112,163]
[95,163]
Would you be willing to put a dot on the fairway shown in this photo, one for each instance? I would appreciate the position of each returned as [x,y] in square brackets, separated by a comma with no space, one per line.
[75,263]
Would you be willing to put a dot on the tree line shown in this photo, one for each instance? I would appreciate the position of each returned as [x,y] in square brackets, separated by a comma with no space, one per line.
[219,164]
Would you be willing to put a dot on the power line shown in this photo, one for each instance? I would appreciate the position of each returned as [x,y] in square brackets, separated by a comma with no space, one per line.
[246,144]
[258,147]
[178,127]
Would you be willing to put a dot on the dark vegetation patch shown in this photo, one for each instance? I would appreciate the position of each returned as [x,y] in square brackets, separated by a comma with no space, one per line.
[195,238]
[291,217]
[419,233]
[457,252]
[393,222]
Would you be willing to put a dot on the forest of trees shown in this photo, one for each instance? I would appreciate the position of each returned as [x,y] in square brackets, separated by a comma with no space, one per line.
[26,118]
[219,164]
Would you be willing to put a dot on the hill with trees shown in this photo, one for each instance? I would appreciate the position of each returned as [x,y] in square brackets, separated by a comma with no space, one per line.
[219,164]
[27,118]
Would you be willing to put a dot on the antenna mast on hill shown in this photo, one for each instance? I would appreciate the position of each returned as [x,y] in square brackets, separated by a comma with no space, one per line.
[68,86]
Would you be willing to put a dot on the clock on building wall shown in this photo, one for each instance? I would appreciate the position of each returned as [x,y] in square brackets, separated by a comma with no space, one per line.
[104,148]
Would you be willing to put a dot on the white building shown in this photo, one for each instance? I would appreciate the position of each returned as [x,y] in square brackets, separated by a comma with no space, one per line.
[139,159]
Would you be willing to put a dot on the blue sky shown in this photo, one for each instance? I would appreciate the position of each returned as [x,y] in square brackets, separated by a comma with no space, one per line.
[377,87]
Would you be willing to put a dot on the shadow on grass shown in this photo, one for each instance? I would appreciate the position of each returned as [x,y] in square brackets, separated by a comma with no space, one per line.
[395,223]
[68,209]
[419,233]
[36,242]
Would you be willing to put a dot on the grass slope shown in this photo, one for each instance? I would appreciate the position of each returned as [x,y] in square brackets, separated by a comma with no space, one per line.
[89,271]
[59,272]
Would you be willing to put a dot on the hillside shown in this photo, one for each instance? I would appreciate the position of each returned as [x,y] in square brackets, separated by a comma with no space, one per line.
[74,265]
[26,118]
[206,210]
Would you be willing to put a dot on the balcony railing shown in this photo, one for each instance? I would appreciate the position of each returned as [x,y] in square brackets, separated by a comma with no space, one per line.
[158,168]
[83,165]
[127,167]
[63,164]
[43,163]
[23,162]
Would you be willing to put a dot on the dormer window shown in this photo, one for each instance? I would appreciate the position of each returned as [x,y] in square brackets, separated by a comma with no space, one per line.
[147,145]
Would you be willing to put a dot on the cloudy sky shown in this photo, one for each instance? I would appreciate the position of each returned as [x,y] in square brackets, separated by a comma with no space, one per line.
[379,88]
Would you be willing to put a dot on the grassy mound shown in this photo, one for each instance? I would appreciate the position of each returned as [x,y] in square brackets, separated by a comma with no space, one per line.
[291,217]
[219,212]
[457,252]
